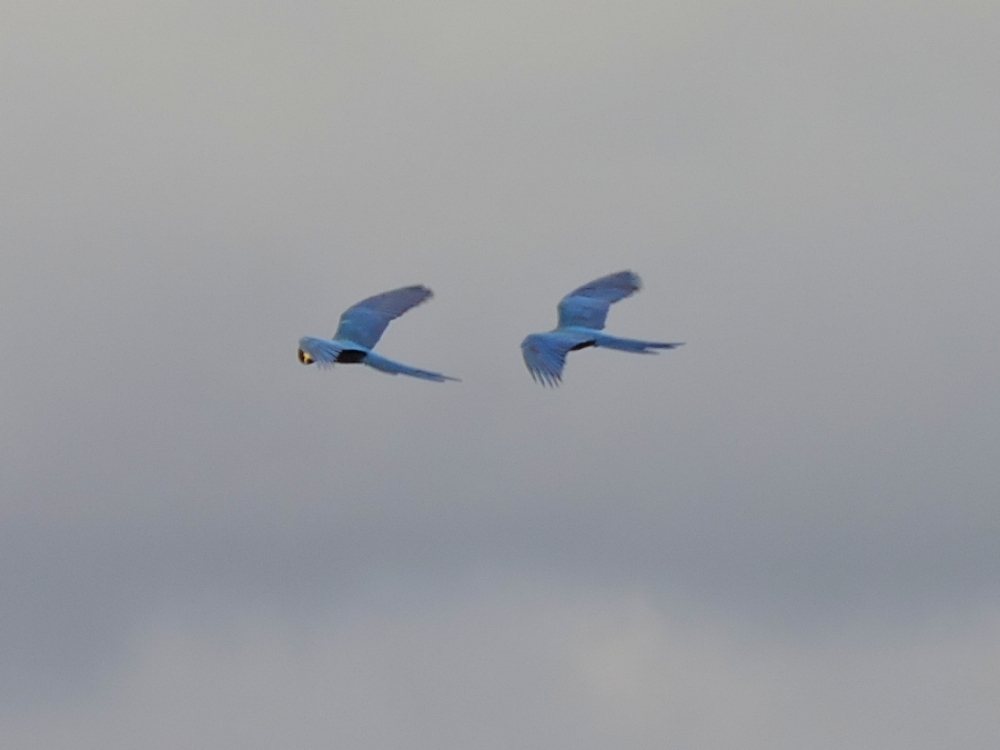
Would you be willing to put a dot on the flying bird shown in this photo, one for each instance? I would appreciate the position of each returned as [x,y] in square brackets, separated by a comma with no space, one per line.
[581,324]
[361,326]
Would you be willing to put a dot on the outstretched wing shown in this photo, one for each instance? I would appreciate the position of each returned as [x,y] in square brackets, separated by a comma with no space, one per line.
[588,305]
[398,368]
[365,322]
[545,356]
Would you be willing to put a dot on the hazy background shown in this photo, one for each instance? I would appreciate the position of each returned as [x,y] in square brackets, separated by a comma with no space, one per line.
[783,535]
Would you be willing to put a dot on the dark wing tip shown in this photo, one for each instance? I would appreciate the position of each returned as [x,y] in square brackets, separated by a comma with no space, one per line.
[420,292]
[612,287]
[628,279]
[420,288]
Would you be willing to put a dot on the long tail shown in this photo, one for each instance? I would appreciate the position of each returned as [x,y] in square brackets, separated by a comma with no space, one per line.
[633,345]
[398,368]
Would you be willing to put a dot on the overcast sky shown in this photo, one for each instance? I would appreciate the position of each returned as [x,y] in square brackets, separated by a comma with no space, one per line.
[785,534]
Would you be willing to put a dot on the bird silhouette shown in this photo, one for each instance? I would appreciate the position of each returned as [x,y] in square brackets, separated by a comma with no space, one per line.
[582,313]
[361,326]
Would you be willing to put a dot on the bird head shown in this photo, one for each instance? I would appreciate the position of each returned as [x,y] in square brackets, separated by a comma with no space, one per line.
[304,357]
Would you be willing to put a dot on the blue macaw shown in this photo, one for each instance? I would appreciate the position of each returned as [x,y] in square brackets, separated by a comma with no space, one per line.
[582,313]
[361,326]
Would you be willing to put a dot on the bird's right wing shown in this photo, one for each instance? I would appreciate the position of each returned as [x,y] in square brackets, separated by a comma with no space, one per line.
[365,322]
[392,367]
[588,306]
[545,356]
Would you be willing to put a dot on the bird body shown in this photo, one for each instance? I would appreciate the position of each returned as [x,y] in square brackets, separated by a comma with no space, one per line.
[582,314]
[360,328]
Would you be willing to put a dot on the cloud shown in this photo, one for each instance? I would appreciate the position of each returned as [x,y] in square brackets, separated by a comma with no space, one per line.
[809,195]
[531,665]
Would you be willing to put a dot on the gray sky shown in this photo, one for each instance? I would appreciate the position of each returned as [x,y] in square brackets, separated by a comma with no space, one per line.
[783,535]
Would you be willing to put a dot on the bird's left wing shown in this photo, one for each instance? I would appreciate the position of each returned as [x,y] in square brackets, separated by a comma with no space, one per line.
[365,322]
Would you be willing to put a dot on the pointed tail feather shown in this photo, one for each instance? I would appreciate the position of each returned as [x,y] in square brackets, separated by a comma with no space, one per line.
[398,368]
[633,345]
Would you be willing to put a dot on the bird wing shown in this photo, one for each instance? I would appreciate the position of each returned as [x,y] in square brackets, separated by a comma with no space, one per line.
[398,368]
[323,351]
[365,322]
[588,306]
[545,356]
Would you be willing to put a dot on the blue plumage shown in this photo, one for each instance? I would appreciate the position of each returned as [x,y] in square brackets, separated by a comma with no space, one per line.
[360,328]
[582,313]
